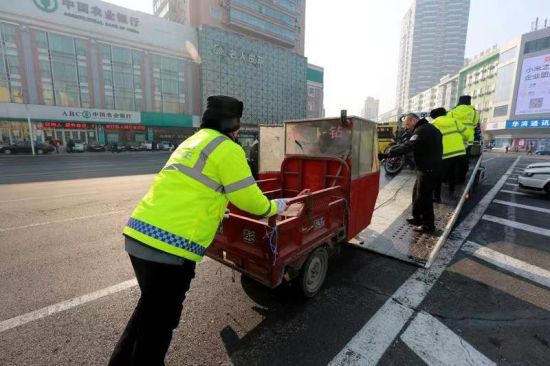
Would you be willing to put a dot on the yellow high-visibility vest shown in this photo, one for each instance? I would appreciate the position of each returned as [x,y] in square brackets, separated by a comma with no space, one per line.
[454,135]
[184,206]
[468,116]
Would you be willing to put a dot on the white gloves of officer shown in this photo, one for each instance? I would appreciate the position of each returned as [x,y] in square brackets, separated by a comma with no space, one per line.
[226,214]
[282,204]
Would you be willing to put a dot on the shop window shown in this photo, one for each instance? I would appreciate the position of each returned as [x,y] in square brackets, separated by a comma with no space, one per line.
[500,111]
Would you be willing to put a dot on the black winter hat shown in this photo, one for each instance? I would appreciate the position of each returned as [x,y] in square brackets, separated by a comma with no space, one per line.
[438,112]
[464,100]
[220,109]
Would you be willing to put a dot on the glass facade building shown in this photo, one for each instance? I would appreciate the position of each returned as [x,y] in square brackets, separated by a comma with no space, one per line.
[432,44]
[10,72]
[168,81]
[63,63]
[269,80]
[95,72]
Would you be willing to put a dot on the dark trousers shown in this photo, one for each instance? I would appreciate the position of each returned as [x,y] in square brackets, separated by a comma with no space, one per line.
[423,208]
[451,169]
[464,166]
[147,336]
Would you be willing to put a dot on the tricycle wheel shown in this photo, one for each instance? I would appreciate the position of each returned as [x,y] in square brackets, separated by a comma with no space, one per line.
[313,273]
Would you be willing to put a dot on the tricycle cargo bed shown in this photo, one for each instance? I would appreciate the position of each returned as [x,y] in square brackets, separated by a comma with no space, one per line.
[269,249]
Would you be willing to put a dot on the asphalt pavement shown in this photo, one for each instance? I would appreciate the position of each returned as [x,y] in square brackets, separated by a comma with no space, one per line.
[68,288]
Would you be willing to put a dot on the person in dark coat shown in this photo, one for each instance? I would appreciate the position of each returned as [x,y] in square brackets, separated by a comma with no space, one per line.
[426,144]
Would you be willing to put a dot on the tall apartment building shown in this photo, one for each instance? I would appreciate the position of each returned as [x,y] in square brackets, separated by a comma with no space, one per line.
[315,85]
[432,43]
[478,79]
[280,22]
[174,10]
[370,109]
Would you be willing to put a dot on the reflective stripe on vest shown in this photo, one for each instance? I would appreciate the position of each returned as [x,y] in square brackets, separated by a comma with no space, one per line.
[196,173]
[450,154]
[450,133]
[166,237]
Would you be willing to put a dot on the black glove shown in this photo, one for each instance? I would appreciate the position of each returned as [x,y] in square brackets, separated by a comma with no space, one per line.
[382,156]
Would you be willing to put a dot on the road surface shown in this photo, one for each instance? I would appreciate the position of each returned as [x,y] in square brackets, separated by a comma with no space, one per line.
[68,288]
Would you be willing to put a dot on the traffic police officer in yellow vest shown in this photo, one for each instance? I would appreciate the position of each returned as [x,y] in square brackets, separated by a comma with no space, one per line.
[175,222]
[454,137]
[469,117]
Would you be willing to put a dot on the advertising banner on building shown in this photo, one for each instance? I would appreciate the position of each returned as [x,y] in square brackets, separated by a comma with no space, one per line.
[529,123]
[533,95]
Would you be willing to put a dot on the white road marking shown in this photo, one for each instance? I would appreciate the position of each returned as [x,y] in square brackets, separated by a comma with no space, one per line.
[516,193]
[436,344]
[68,304]
[513,204]
[378,334]
[57,173]
[60,221]
[49,197]
[517,225]
[509,264]
[511,184]
[65,305]
[484,161]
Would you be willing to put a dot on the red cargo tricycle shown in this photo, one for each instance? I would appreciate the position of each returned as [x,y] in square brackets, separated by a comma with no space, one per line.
[330,172]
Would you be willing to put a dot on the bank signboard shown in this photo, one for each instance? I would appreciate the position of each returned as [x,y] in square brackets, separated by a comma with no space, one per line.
[48,113]
[99,17]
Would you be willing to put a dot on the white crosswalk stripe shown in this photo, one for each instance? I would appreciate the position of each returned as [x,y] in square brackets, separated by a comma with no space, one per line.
[436,344]
[371,342]
[509,264]
[514,192]
[526,207]
[517,225]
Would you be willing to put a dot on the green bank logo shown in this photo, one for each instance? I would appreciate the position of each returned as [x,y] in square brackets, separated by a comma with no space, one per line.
[86,114]
[46,5]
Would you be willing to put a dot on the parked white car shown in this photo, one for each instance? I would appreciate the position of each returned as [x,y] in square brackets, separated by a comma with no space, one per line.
[164,145]
[536,177]
[538,165]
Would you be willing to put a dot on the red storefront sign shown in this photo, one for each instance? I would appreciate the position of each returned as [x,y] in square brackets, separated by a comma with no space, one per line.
[125,127]
[68,125]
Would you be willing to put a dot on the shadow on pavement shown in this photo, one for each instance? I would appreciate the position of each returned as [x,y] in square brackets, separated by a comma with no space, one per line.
[311,332]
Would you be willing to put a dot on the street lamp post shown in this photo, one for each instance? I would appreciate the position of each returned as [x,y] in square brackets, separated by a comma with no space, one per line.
[30,128]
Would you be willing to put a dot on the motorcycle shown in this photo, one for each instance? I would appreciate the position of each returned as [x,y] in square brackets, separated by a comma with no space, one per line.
[394,165]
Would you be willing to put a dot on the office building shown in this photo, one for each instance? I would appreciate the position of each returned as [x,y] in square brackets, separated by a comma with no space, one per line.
[478,79]
[270,81]
[432,43]
[370,109]
[95,72]
[315,92]
[521,108]
[280,22]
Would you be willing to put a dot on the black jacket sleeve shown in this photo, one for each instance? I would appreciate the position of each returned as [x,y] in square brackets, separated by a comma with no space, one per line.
[406,147]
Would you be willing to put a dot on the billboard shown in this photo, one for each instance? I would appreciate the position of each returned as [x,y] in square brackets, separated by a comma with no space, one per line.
[533,96]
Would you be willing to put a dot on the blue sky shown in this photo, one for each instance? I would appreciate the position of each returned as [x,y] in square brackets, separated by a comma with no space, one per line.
[357,41]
